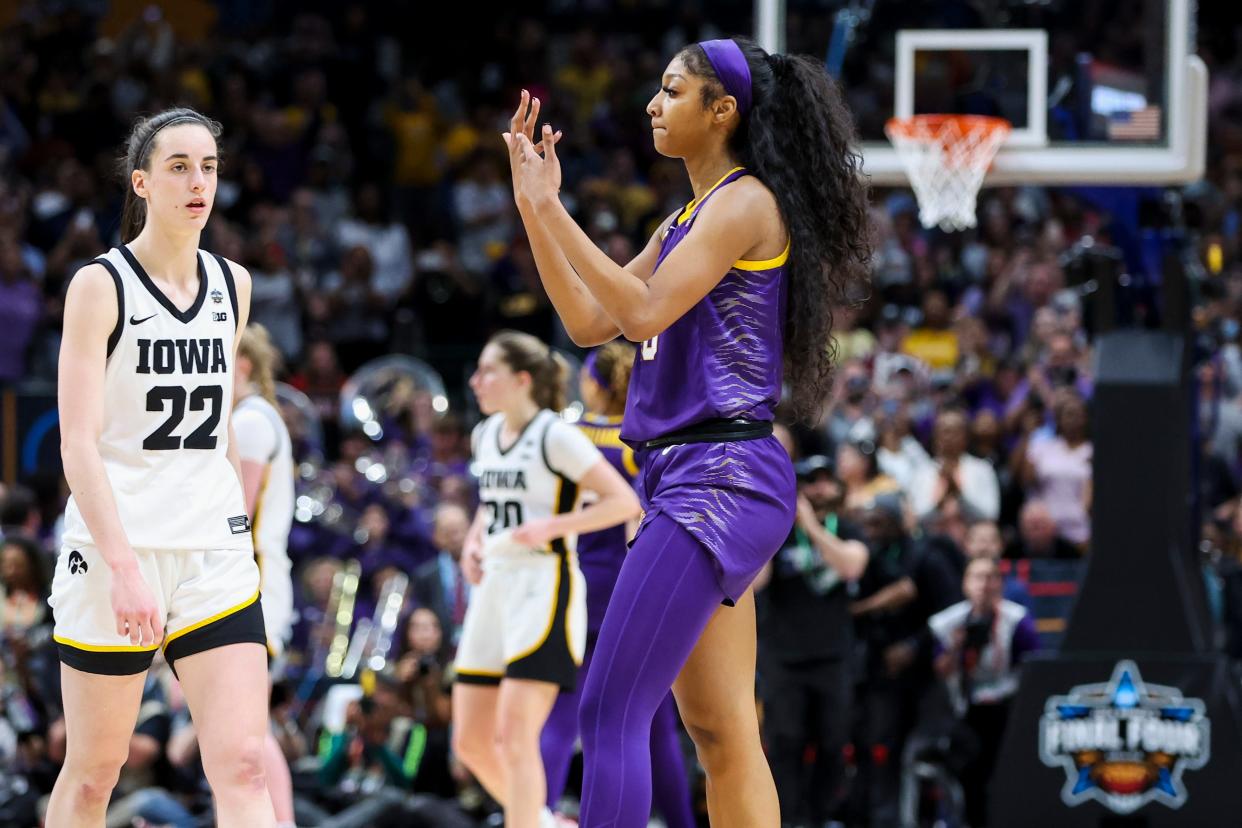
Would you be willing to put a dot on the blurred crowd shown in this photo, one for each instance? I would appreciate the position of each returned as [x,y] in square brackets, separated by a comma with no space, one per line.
[365,187]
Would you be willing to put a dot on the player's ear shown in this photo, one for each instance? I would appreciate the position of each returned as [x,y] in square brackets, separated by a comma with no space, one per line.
[723,109]
[138,180]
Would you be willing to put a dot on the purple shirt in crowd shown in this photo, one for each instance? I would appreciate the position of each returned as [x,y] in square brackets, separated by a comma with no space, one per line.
[21,308]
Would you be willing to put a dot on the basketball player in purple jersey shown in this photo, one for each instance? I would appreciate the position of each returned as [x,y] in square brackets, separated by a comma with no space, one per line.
[604,380]
[730,289]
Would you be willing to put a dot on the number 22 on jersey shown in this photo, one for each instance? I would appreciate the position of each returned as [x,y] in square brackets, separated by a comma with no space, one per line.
[205,397]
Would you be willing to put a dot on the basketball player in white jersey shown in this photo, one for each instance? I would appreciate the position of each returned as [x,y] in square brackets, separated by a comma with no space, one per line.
[157,546]
[266,453]
[525,628]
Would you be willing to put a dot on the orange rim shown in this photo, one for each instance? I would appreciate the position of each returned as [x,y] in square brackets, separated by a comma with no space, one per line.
[966,124]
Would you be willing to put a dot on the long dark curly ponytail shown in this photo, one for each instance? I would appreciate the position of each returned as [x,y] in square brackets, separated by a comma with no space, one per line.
[798,138]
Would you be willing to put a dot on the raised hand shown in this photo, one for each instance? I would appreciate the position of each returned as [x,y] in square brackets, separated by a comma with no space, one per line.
[522,125]
[539,177]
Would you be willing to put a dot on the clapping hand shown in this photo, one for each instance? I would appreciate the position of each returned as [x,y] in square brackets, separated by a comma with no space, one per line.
[522,126]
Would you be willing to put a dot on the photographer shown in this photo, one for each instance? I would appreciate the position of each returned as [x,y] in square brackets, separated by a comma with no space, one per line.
[374,765]
[420,670]
[980,643]
[806,638]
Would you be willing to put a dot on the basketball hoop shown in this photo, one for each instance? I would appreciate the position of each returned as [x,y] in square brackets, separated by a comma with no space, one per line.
[946,158]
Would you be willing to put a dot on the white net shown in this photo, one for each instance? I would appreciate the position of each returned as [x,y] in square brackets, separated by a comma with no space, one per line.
[946,158]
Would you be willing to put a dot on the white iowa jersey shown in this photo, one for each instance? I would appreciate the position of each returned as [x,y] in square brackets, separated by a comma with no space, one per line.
[262,437]
[537,477]
[168,393]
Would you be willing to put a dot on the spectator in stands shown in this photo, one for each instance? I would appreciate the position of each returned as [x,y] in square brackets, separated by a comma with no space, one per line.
[904,584]
[24,584]
[955,472]
[321,378]
[980,643]
[439,584]
[357,322]
[1061,366]
[987,439]
[19,513]
[983,540]
[380,752]
[483,203]
[935,341]
[386,240]
[1038,537]
[946,527]
[422,670]
[380,555]
[29,668]
[310,248]
[858,468]
[21,309]
[806,637]
[449,448]
[850,414]
[413,118]
[1057,470]
[900,455]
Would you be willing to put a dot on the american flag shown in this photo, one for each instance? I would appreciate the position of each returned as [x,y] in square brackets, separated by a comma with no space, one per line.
[1136,125]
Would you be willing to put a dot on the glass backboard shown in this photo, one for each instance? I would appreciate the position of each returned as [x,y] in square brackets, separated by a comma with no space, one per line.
[1098,91]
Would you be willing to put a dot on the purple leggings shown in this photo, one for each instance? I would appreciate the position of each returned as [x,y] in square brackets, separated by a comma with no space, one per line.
[670,791]
[666,593]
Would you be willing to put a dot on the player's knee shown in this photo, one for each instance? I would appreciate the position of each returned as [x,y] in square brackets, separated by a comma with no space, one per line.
[94,777]
[516,741]
[717,736]
[469,743]
[240,765]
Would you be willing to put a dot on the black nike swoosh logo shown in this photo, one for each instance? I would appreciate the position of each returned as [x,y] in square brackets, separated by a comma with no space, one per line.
[136,321]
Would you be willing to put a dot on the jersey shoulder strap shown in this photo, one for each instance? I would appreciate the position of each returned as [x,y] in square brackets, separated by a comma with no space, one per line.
[488,439]
[552,420]
[115,336]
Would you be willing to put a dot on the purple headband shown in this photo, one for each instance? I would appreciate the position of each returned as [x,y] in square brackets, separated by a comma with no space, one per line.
[730,64]
[590,363]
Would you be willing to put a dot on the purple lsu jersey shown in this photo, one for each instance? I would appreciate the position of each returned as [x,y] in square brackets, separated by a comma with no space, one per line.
[723,358]
[600,554]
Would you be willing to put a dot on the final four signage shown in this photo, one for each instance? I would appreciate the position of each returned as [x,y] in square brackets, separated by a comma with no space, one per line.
[1124,743]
